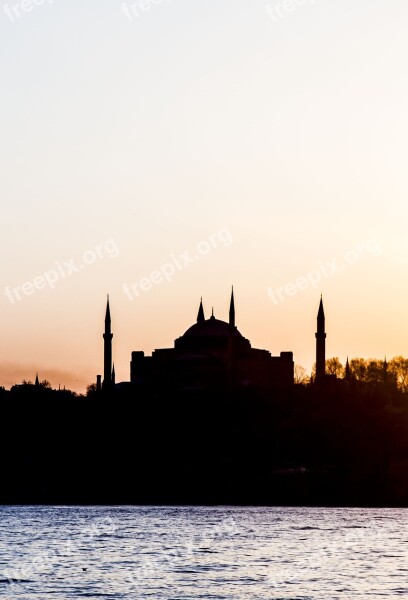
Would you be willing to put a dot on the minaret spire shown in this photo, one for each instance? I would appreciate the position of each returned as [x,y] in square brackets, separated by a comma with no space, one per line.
[107,336]
[107,316]
[320,343]
[347,373]
[200,316]
[232,309]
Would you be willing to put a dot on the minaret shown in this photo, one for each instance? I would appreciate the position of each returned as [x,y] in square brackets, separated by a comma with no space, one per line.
[37,381]
[113,375]
[200,316]
[107,336]
[320,344]
[232,310]
[348,373]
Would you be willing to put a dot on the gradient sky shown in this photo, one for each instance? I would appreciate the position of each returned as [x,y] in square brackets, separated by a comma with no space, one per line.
[261,147]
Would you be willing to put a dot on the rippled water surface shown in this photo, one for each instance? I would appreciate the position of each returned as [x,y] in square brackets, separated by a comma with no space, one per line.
[181,553]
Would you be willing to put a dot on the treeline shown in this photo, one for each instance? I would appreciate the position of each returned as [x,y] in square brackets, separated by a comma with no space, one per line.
[364,370]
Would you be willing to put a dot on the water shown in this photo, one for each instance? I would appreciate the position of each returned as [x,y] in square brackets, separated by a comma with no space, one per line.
[183,553]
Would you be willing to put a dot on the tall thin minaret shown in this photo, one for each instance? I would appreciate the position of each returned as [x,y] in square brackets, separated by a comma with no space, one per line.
[232,310]
[232,358]
[107,336]
[320,344]
[347,374]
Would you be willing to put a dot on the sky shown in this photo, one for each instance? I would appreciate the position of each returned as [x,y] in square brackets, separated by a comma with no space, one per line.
[161,152]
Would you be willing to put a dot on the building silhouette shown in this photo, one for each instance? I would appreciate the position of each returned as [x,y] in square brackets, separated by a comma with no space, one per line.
[320,344]
[109,371]
[211,355]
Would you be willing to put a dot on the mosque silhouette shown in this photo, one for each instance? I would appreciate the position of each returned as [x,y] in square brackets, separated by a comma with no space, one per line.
[211,354]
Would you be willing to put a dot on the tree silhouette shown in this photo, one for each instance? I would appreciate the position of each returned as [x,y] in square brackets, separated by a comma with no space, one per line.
[358,369]
[300,375]
[398,368]
[334,367]
[91,389]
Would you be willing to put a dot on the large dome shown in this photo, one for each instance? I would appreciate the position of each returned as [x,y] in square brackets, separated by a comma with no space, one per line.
[213,336]
[212,327]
